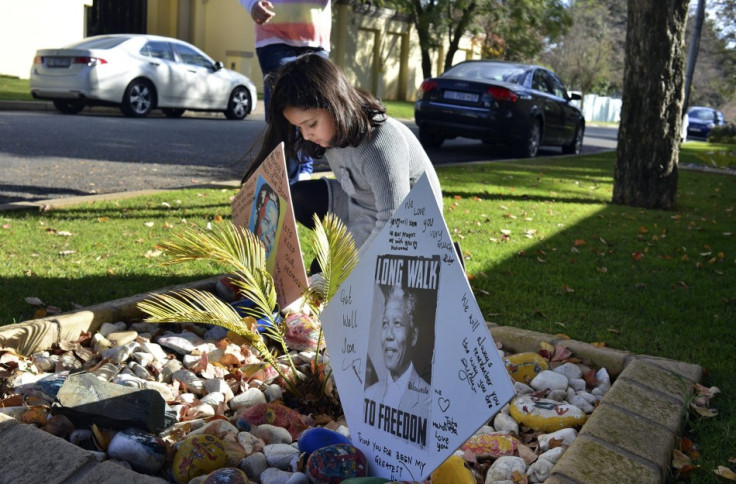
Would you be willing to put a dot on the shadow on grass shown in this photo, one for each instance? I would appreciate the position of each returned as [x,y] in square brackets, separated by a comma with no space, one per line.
[72,294]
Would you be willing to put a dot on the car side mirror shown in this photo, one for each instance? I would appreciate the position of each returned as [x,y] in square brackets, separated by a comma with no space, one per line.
[219,65]
[575,96]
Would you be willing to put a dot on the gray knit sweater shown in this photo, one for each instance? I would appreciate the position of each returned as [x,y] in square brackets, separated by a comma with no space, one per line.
[374,178]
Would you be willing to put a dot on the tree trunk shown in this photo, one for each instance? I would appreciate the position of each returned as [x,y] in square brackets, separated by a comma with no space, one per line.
[421,22]
[457,33]
[651,113]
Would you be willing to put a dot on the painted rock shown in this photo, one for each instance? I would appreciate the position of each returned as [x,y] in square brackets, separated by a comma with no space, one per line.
[453,471]
[302,332]
[226,475]
[335,463]
[275,414]
[492,445]
[197,455]
[543,414]
[144,452]
[523,367]
[318,437]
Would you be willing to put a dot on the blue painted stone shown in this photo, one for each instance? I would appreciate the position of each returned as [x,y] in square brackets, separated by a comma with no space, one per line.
[226,475]
[335,463]
[50,385]
[144,452]
[242,424]
[318,437]
[243,304]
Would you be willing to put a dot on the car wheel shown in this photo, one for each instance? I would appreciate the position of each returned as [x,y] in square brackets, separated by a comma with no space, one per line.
[173,112]
[138,99]
[530,147]
[238,106]
[576,146]
[429,140]
[69,107]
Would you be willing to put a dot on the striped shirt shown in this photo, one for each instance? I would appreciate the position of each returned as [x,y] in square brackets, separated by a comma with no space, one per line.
[299,23]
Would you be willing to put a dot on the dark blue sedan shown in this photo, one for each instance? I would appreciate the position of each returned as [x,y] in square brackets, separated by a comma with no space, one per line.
[519,105]
[702,120]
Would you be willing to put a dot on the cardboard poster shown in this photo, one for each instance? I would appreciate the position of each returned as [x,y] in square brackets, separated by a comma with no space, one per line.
[264,207]
[415,364]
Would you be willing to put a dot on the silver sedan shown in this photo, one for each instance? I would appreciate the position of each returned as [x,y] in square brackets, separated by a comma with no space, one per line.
[139,73]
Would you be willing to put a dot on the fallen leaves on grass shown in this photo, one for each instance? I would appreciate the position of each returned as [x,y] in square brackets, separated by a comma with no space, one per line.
[700,403]
[726,473]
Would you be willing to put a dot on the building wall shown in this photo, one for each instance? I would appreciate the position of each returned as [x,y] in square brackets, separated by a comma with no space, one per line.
[378,49]
[29,25]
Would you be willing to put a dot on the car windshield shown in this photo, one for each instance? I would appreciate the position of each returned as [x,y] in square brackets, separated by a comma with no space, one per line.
[488,72]
[97,43]
[704,114]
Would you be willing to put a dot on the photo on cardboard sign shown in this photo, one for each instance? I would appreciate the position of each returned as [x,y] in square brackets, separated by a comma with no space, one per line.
[266,218]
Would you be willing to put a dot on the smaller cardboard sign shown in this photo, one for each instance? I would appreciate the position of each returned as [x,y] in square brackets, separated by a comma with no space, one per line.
[415,364]
[264,207]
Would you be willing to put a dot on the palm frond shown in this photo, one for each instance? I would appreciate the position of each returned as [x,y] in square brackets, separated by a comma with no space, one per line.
[195,306]
[336,254]
[226,244]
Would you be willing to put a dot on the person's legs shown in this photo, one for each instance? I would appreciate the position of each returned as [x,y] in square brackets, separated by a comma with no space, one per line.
[309,197]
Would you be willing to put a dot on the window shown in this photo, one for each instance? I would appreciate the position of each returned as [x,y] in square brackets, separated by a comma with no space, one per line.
[158,50]
[557,88]
[190,56]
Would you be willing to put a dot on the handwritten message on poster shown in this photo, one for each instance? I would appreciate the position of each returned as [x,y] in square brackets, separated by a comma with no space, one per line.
[264,207]
[415,364]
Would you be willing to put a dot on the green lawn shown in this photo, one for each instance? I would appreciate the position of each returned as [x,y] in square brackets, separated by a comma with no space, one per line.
[14,89]
[544,248]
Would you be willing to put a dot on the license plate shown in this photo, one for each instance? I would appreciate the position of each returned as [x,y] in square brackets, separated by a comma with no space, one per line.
[58,61]
[461,96]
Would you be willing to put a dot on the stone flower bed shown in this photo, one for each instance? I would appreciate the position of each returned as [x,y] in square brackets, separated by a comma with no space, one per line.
[189,403]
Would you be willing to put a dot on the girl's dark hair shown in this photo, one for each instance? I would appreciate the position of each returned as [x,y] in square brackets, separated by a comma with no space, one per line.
[309,82]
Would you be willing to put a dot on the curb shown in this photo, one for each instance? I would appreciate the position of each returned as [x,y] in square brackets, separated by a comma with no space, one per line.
[628,438]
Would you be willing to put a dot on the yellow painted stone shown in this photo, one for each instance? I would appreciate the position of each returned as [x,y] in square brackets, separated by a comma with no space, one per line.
[523,367]
[453,471]
[197,456]
[546,415]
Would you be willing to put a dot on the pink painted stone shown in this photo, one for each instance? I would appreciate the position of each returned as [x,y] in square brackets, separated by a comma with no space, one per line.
[492,445]
[275,414]
[302,332]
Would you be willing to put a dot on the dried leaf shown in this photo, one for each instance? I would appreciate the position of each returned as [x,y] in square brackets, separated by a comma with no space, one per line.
[561,353]
[149,224]
[567,288]
[598,344]
[726,473]
[34,301]
[637,255]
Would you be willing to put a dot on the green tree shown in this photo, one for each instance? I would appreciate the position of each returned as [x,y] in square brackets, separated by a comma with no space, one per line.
[582,56]
[648,140]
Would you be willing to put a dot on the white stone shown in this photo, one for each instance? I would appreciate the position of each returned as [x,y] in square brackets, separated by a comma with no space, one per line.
[100,343]
[107,328]
[119,354]
[250,442]
[143,357]
[169,368]
[189,380]
[549,379]
[553,455]
[271,434]
[213,398]
[273,392]
[129,380]
[218,385]
[503,469]
[139,371]
[253,465]
[248,398]
[539,471]
[190,361]
[275,476]
[570,370]
[503,422]
[577,384]
[522,388]
[564,436]
[120,338]
[156,350]
[187,398]
[183,343]
[486,429]
[279,455]
[557,395]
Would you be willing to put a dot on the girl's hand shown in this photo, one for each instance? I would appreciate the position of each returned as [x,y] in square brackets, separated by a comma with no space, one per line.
[262,12]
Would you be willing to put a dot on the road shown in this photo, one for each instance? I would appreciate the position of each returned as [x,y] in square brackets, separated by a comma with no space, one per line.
[46,155]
